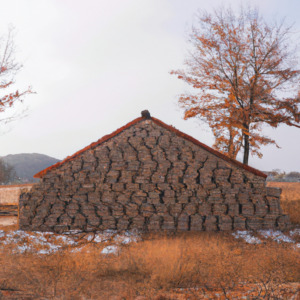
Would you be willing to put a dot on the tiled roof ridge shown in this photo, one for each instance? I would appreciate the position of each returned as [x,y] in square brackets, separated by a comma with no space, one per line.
[162,124]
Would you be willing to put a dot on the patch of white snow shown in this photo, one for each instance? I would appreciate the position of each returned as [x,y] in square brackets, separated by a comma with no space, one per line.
[276,235]
[110,250]
[245,235]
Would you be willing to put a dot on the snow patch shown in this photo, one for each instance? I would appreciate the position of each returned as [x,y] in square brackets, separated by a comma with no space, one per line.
[110,250]
[48,242]
[246,236]
[276,235]
[295,232]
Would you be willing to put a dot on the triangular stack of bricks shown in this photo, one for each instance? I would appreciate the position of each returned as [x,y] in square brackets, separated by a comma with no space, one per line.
[149,176]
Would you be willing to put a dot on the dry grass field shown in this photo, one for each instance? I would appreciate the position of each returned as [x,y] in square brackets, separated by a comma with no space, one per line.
[185,266]
[204,265]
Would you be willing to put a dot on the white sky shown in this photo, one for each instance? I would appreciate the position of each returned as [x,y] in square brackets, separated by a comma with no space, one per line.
[96,64]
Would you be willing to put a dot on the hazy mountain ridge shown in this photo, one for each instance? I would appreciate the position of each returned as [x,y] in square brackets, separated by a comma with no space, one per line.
[28,164]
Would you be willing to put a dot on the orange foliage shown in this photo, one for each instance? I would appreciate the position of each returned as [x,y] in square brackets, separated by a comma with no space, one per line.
[239,65]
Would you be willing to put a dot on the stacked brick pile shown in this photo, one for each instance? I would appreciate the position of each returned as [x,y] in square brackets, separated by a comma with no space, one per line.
[149,176]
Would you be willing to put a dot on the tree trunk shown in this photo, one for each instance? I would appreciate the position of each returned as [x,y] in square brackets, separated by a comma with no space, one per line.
[246,149]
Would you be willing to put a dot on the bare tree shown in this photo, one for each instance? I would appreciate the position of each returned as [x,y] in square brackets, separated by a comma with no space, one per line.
[9,68]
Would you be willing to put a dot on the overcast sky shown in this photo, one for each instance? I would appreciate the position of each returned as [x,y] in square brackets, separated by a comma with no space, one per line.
[95,65]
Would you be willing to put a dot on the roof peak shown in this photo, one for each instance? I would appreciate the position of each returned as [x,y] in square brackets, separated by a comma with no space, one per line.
[146,115]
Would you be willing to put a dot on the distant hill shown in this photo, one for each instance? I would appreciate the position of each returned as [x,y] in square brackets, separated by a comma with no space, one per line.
[28,164]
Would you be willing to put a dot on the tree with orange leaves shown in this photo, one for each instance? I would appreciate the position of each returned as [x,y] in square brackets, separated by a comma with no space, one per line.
[8,69]
[247,74]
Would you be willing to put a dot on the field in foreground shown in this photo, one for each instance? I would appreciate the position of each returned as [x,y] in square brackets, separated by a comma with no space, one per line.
[204,265]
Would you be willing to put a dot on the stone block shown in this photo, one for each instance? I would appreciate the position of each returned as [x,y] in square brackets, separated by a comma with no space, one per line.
[168,223]
[103,210]
[161,209]
[233,209]
[210,223]
[225,223]
[117,210]
[122,224]
[108,222]
[183,222]
[71,212]
[239,223]
[93,220]
[230,198]
[269,222]
[254,223]
[215,198]
[79,198]
[79,221]
[243,198]
[183,199]
[36,222]
[131,209]
[175,209]
[196,223]
[190,208]
[274,192]
[169,200]
[147,210]
[118,187]
[155,222]
[52,220]
[138,223]
[65,220]
[219,209]
[247,209]
[261,209]
[205,209]
[60,228]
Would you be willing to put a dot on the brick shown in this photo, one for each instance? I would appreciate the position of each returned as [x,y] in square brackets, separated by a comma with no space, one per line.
[155,222]
[254,223]
[219,209]
[168,223]
[183,223]
[210,223]
[233,209]
[196,223]
[274,191]
[225,223]
[190,209]
[269,222]
[247,209]
[147,210]
[138,223]
[205,209]
[239,223]
[123,224]
[175,209]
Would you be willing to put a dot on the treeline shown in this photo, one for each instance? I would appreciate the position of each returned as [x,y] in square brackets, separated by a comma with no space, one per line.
[279,176]
[8,174]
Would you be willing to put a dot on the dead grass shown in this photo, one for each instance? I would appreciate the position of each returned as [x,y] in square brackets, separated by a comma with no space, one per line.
[157,266]
[290,190]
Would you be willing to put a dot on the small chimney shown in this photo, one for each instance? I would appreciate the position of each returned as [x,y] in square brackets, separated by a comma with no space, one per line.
[146,114]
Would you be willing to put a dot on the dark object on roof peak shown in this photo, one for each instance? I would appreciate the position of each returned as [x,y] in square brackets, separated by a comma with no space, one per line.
[146,114]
